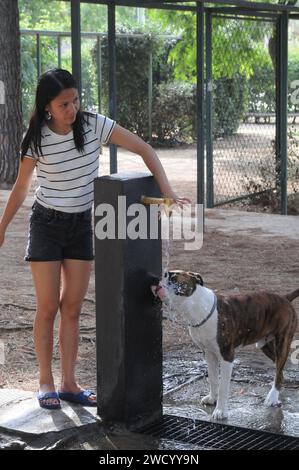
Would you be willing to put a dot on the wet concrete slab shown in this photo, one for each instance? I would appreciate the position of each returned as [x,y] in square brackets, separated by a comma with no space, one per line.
[246,406]
[27,426]
[20,412]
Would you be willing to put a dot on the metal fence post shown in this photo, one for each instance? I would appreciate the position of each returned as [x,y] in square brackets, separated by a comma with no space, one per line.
[282,111]
[99,72]
[150,95]
[76,43]
[209,119]
[38,56]
[112,79]
[59,50]
[200,103]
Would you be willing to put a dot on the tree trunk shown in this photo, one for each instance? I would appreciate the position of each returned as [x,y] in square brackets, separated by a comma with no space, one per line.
[10,92]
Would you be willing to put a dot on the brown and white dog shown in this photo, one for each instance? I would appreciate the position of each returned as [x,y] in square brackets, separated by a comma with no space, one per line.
[220,324]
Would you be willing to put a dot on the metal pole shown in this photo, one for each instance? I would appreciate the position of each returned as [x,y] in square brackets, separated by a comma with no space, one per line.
[112,78]
[200,103]
[76,43]
[99,73]
[209,119]
[38,56]
[150,95]
[59,50]
[282,115]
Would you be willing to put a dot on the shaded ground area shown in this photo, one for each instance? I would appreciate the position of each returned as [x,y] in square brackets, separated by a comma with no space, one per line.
[237,255]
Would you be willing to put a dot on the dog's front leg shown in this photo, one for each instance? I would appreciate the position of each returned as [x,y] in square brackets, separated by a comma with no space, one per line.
[213,377]
[221,410]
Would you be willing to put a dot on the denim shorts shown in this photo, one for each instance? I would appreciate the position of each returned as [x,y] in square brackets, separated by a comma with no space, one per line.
[55,235]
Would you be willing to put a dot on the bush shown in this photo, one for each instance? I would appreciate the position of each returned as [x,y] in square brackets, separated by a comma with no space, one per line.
[230,104]
[261,89]
[28,76]
[174,112]
[132,78]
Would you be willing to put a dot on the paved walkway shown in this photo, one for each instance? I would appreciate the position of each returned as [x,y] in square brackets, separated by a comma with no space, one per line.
[245,223]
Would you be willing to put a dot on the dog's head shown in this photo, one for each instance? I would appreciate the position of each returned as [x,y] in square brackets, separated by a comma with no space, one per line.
[183,283]
[178,282]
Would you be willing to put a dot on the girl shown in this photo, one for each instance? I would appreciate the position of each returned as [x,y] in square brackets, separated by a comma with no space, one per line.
[63,144]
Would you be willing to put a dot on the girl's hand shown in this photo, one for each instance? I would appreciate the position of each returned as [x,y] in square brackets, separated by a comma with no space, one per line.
[179,200]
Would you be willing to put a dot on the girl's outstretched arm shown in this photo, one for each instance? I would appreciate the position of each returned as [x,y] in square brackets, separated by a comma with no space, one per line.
[126,139]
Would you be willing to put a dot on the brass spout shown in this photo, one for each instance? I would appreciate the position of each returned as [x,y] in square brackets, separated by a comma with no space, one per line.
[167,201]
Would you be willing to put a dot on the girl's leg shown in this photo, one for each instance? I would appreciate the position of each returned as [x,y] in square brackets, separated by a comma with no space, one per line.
[46,277]
[75,279]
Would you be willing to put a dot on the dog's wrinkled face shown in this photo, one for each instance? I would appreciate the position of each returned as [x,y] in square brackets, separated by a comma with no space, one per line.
[183,282]
[176,282]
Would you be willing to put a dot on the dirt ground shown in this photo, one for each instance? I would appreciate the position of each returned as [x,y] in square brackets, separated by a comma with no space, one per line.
[228,262]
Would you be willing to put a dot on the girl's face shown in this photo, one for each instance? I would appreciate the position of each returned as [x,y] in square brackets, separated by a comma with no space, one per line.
[64,107]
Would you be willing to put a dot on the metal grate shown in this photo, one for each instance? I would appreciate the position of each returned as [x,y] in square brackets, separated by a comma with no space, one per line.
[218,436]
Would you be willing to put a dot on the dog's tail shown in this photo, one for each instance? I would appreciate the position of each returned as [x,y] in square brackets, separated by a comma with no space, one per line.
[293,295]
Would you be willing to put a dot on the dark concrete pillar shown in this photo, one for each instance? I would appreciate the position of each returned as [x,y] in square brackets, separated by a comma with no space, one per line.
[128,318]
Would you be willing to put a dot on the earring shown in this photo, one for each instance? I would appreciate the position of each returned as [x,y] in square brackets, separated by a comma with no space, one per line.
[48,116]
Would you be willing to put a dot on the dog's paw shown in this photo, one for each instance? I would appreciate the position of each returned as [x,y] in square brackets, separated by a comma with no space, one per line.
[272,398]
[208,400]
[220,414]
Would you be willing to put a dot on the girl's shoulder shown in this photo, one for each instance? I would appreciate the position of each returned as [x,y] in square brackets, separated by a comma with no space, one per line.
[90,119]
[99,124]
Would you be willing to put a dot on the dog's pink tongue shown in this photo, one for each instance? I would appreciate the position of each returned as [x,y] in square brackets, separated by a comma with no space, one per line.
[159,291]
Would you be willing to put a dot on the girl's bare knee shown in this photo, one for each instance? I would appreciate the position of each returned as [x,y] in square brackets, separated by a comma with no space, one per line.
[70,309]
[47,311]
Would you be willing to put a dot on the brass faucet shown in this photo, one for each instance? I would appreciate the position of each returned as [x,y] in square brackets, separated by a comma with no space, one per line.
[167,201]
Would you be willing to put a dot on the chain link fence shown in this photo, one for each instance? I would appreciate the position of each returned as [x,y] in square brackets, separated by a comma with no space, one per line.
[243,157]
[243,109]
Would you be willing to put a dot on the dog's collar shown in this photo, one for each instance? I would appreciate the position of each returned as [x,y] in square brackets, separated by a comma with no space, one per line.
[197,325]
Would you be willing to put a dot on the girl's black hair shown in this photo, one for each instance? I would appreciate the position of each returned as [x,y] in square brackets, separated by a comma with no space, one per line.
[50,84]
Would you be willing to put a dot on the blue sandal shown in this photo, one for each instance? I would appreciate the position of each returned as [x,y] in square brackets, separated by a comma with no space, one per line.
[81,398]
[44,396]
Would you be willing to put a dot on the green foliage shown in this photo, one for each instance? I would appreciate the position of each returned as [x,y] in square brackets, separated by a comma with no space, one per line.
[55,15]
[38,14]
[237,44]
[89,76]
[29,75]
[132,76]
[174,112]
[230,102]
[261,89]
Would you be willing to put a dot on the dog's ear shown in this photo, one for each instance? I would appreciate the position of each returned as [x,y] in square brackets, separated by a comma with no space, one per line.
[199,279]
